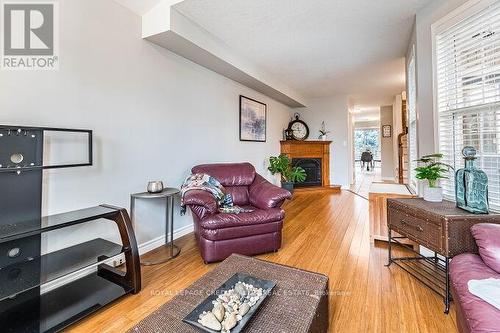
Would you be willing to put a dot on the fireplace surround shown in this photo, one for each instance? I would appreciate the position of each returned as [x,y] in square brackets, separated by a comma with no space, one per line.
[311,154]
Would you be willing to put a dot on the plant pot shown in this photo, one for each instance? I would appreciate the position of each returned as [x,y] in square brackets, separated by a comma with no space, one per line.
[433,194]
[287,186]
[323,137]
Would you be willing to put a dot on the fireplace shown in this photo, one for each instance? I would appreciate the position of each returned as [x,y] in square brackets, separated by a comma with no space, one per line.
[314,157]
[312,166]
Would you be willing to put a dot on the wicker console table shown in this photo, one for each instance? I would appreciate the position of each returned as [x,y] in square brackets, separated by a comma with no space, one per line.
[440,227]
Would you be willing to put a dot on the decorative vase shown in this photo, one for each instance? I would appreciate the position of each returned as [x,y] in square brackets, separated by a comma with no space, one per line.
[155,186]
[323,137]
[433,194]
[287,186]
[471,185]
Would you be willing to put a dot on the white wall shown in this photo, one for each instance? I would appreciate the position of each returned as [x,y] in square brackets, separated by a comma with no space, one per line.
[351,172]
[334,112]
[397,123]
[386,144]
[154,116]
[367,124]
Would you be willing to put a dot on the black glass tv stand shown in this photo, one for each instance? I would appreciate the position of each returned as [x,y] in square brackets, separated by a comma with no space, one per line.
[46,292]
[22,311]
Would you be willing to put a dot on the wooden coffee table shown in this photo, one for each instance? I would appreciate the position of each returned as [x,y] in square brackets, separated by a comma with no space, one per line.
[298,303]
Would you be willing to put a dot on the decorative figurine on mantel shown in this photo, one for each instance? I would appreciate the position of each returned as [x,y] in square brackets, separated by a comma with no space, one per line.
[471,185]
[432,170]
[323,133]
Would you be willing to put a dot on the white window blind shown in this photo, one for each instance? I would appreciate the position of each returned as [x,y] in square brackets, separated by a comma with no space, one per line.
[468,95]
[412,120]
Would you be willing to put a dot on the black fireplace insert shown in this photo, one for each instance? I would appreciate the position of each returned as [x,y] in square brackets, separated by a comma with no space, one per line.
[312,166]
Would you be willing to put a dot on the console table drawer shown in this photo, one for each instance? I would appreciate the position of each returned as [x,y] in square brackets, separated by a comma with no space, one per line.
[426,233]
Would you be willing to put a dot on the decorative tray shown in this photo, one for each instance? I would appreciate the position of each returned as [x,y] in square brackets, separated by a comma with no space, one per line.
[232,305]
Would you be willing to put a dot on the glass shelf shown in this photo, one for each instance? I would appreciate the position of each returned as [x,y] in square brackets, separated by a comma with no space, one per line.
[59,308]
[9,232]
[26,275]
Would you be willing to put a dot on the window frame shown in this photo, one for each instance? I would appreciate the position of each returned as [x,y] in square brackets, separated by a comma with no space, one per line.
[468,9]
[461,13]
[412,182]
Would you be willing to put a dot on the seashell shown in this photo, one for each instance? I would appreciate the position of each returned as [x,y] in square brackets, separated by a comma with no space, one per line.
[218,311]
[209,320]
[240,289]
[244,308]
[230,322]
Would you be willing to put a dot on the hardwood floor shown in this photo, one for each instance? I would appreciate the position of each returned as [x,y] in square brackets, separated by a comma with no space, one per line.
[363,180]
[324,232]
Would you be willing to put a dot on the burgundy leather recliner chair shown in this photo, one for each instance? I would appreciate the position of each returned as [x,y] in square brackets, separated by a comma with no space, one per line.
[219,234]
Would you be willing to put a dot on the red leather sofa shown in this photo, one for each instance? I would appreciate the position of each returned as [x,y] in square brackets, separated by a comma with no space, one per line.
[474,315]
[220,234]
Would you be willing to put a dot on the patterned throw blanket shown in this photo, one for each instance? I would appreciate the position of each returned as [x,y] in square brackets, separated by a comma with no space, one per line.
[204,182]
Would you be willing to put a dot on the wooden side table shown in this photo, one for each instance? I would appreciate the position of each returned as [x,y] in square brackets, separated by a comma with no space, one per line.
[168,194]
[377,206]
[440,227]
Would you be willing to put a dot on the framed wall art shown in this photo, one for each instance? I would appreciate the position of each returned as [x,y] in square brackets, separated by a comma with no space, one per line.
[252,120]
[386,131]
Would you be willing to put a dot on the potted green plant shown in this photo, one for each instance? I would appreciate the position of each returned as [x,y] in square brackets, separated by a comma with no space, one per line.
[432,170]
[289,175]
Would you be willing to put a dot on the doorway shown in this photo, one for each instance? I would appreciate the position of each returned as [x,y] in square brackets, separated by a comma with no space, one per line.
[367,160]
[367,148]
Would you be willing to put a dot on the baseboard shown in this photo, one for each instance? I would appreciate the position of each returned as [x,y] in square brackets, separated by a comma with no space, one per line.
[143,248]
[159,241]
[332,188]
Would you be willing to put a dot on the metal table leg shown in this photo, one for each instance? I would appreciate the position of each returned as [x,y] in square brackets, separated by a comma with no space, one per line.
[447,298]
[432,259]
[132,209]
[174,250]
[169,227]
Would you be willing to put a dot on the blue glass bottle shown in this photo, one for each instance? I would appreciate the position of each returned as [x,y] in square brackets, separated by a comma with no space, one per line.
[471,185]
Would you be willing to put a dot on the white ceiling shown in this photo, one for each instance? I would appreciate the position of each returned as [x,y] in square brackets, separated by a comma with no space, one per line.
[317,47]
[320,47]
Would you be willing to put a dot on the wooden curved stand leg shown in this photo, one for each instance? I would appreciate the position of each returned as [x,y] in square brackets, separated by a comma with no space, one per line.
[132,277]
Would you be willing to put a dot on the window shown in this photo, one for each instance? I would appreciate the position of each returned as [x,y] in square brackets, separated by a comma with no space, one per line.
[412,120]
[366,139]
[467,58]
